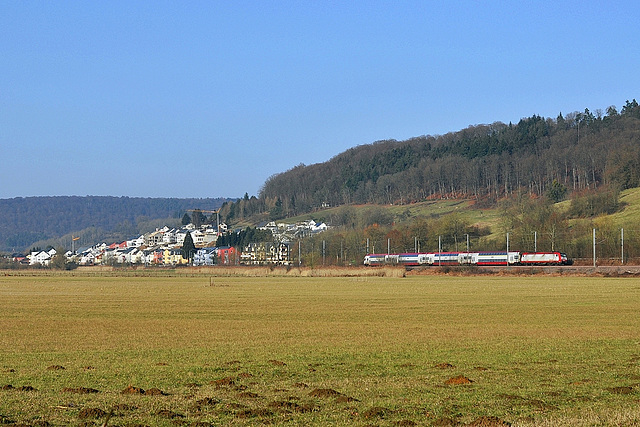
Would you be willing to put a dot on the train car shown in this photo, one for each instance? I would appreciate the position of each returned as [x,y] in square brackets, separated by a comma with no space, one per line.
[495,258]
[444,258]
[544,258]
[409,259]
[374,260]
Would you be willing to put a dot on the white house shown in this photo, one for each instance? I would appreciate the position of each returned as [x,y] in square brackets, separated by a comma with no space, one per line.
[42,257]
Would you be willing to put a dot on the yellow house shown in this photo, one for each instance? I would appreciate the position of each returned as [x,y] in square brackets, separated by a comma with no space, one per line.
[174,257]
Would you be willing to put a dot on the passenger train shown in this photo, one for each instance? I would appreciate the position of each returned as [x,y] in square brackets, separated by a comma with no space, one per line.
[468,258]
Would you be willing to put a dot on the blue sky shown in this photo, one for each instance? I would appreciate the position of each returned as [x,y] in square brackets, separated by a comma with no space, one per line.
[208,99]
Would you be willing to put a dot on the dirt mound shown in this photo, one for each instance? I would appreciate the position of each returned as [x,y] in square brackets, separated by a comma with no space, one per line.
[192,385]
[346,399]
[80,390]
[489,422]
[248,395]
[26,388]
[376,412]
[245,375]
[324,393]
[154,392]
[300,385]
[133,390]
[277,363]
[459,380]
[91,413]
[6,420]
[208,401]
[620,390]
[224,382]
[252,413]
[165,413]
[7,387]
[288,406]
[55,368]
[445,422]
[124,407]
[444,366]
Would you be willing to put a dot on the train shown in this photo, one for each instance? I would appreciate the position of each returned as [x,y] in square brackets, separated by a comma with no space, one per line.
[496,258]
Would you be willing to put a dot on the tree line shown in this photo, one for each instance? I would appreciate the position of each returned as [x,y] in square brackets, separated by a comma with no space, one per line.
[579,151]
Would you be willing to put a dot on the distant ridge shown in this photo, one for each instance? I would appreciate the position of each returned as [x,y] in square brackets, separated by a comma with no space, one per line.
[25,221]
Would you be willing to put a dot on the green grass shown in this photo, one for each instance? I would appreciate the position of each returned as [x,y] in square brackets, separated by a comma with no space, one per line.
[540,350]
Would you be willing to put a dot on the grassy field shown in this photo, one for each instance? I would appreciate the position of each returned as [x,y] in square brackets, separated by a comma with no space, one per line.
[418,350]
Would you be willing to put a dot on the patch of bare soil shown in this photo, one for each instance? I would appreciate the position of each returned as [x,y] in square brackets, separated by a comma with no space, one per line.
[405,423]
[490,421]
[277,362]
[133,390]
[154,392]
[376,412]
[26,388]
[459,380]
[80,390]
[165,413]
[245,375]
[55,368]
[444,366]
[91,413]
[324,393]
[7,387]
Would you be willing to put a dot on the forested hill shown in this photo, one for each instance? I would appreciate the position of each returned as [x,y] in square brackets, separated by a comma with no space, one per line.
[580,150]
[25,221]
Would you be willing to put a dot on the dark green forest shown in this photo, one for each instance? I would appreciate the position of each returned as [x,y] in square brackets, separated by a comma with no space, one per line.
[29,221]
[576,152]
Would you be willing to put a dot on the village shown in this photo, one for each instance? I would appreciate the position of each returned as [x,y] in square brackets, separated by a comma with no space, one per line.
[164,247]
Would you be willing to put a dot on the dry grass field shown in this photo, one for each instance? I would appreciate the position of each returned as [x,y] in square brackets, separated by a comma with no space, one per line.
[386,351]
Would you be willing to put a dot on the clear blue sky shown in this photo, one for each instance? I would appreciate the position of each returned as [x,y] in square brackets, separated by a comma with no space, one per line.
[208,99]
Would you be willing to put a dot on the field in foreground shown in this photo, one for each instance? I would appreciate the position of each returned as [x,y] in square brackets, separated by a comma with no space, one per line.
[419,350]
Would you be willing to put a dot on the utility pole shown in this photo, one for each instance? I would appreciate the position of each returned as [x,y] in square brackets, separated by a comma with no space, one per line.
[622,246]
[507,248]
[594,247]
